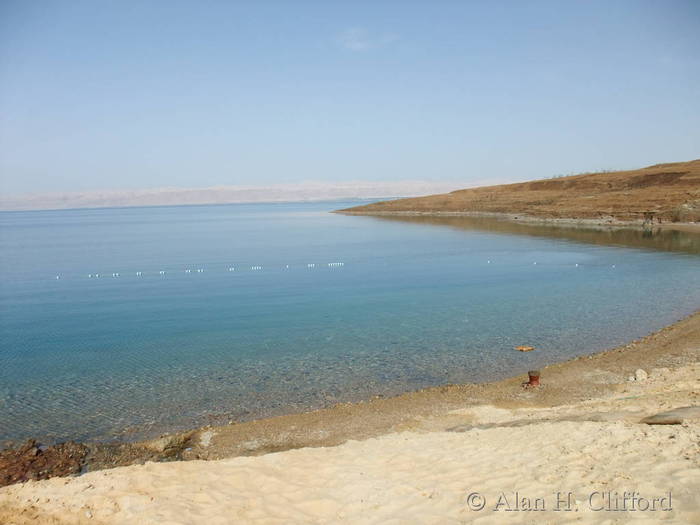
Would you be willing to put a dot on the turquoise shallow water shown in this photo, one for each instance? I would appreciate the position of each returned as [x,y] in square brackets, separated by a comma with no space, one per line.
[417,302]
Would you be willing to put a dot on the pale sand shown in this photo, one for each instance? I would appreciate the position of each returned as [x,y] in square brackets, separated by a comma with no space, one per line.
[421,476]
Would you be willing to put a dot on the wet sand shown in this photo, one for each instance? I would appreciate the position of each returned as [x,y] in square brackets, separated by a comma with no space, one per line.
[580,430]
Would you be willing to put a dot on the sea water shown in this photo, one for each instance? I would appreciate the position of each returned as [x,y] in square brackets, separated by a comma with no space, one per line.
[124,323]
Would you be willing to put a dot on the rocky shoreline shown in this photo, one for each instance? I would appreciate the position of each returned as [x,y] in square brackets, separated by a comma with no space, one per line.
[603,221]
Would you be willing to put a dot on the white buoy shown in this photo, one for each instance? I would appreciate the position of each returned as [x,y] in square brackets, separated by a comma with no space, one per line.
[89,276]
[576,265]
[534,263]
[58,277]
[613,266]
[488,262]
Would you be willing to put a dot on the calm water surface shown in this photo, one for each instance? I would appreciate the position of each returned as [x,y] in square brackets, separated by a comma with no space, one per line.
[417,302]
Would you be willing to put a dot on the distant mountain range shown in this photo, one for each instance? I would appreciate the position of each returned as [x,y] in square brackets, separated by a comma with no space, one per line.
[307,191]
[663,192]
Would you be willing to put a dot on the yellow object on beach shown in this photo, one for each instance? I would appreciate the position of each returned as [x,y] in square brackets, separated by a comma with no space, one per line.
[524,348]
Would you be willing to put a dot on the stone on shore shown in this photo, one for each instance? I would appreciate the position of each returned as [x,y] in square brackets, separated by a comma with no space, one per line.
[32,461]
[677,416]
[640,375]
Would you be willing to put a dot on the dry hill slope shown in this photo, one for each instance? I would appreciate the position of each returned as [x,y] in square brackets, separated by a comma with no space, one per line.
[668,192]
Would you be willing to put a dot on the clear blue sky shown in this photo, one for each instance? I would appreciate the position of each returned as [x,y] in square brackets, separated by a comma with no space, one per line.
[133,94]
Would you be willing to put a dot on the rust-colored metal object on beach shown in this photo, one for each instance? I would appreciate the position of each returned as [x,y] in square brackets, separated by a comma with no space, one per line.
[525,348]
[534,376]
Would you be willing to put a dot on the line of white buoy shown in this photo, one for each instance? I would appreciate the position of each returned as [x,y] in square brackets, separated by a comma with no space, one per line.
[201,270]
[576,265]
[258,268]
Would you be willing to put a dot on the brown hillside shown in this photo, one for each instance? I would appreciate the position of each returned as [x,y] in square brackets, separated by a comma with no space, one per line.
[671,192]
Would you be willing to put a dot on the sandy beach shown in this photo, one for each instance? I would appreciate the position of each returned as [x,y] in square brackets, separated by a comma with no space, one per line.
[364,263]
[575,449]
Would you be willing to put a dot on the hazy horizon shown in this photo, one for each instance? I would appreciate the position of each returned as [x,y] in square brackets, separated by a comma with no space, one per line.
[306,191]
[133,95]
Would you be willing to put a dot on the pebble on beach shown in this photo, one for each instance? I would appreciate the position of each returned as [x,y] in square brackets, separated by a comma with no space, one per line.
[640,375]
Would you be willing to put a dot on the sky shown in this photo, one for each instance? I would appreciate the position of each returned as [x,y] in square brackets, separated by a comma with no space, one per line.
[140,94]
